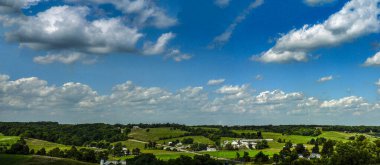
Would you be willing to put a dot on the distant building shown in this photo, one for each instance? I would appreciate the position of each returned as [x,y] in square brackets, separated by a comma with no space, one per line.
[315,156]
[211,149]
[112,162]
[135,127]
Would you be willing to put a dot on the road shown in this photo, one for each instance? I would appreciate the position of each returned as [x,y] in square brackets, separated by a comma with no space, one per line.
[186,151]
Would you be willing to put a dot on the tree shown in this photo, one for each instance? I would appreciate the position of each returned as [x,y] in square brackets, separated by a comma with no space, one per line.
[56,152]
[261,157]
[19,147]
[246,157]
[276,158]
[73,153]
[259,135]
[315,149]
[328,148]
[262,145]
[136,151]
[187,141]
[300,148]
[42,151]
[237,156]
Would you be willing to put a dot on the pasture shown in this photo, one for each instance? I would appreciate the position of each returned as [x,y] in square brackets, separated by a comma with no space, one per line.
[154,134]
[40,160]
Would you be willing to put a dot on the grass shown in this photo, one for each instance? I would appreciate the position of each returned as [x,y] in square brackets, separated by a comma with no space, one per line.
[197,139]
[37,160]
[232,154]
[8,140]
[38,144]
[154,134]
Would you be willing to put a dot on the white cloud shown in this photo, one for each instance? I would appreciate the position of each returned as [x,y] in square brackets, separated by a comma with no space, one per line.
[373,61]
[128,102]
[160,46]
[65,29]
[318,2]
[178,56]
[69,58]
[346,102]
[259,77]
[324,79]
[222,3]
[356,19]
[223,38]
[145,12]
[378,86]
[216,82]
[12,6]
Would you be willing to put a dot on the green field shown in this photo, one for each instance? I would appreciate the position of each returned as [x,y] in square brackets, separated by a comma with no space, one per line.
[197,139]
[38,144]
[160,154]
[155,133]
[333,135]
[8,140]
[232,154]
[37,160]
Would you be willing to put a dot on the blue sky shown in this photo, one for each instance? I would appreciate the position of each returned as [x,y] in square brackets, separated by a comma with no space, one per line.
[193,62]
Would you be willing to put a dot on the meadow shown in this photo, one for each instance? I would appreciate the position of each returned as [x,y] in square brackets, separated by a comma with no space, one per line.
[40,160]
[154,134]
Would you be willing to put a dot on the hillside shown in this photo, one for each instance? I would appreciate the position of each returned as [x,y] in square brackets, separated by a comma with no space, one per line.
[37,160]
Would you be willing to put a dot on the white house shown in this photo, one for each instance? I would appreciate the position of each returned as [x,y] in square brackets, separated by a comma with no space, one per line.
[211,149]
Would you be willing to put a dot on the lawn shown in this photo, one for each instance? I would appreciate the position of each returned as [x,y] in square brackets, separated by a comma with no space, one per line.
[197,139]
[8,140]
[40,160]
[154,134]
[38,144]
[232,154]
[160,154]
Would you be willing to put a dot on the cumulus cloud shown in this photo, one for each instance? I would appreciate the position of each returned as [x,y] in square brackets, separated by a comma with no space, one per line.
[66,29]
[356,19]
[222,3]
[373,61]
[145,12]
[12,6]
[223,38]
[216,82]
[324,79]
[128,102]
[318,2]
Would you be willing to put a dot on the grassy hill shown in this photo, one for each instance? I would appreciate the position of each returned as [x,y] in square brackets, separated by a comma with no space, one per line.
[8,140]
[197,139]
[154,134]
[37,160]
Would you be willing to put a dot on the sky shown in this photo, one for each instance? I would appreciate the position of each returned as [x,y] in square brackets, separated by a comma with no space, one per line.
[227,62]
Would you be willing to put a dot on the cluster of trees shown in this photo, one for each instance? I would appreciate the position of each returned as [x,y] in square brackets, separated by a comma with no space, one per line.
[258,158]
[83,154]
[78,135]
[117,150]
[150,145]
[198,147]
[182,160]
[262,145]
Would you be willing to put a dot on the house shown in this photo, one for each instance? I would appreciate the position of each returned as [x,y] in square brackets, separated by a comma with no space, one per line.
[114,162]
[315,156]
[125,150]
[135,127]
[211,149]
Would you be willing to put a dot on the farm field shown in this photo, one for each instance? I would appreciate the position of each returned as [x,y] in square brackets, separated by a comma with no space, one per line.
[197,139]
[154,134]
[8,140]
[40,160]
[160,154]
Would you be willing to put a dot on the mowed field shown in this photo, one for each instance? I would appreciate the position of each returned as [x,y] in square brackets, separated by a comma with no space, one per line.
[154,134]
[34,160]
[197,139]
[8,140]
[160,154]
